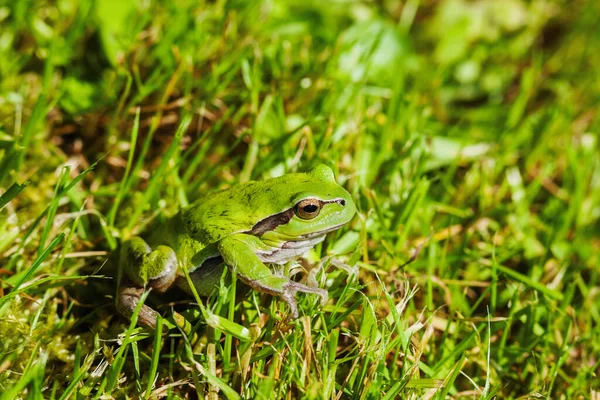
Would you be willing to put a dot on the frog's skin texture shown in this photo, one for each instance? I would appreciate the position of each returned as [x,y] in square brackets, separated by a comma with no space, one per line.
[244,227]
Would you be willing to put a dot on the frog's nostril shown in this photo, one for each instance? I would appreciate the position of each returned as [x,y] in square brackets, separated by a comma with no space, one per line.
[343,203]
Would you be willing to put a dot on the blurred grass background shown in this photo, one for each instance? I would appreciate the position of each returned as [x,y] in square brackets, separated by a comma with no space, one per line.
[467,130]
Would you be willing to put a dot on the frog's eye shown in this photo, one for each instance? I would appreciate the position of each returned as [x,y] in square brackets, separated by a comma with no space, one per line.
[308,208]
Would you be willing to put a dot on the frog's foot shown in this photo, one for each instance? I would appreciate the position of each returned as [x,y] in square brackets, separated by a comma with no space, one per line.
[144,268]
[239,253]
[128,298]
[289,295]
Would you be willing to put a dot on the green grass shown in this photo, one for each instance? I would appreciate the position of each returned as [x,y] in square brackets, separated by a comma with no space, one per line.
[466,131]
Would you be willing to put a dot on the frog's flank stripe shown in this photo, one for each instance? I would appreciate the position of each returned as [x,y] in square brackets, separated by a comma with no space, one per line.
[272,222]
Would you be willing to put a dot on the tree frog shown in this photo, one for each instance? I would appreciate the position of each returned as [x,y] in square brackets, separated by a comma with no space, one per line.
[245,228]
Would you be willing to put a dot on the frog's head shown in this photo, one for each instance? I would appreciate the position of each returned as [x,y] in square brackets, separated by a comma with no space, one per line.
[313,203]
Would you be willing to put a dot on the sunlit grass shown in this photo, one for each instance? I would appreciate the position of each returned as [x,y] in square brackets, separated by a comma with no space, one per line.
[466,131]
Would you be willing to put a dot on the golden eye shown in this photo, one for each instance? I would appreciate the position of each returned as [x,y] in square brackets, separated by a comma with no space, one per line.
[308,209]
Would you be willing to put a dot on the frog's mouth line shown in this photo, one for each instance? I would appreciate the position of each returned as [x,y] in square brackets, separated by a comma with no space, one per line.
[320,233]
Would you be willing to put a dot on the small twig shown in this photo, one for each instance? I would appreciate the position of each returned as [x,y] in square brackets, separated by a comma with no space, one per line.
[417,251]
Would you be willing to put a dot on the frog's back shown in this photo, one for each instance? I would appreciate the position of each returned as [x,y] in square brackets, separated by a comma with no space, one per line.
[172,232]
[239,208]
[203,222]
[221,214]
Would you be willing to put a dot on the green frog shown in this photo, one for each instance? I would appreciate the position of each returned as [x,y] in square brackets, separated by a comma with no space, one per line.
[245,228]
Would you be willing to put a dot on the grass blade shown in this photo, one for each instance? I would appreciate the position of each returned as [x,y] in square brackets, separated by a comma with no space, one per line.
[12,192]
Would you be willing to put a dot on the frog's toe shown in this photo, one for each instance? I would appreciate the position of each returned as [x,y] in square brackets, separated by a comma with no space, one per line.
[292,288]
[324,296]
[127,300]
[290,298]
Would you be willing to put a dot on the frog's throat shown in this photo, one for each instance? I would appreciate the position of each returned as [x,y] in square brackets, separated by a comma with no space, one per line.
[289,250]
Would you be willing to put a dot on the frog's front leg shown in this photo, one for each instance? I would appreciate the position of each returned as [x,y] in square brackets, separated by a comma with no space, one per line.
[239,253]
[143,268]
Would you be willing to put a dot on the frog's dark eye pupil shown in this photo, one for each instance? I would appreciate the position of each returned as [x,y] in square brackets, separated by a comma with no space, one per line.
[308,208]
